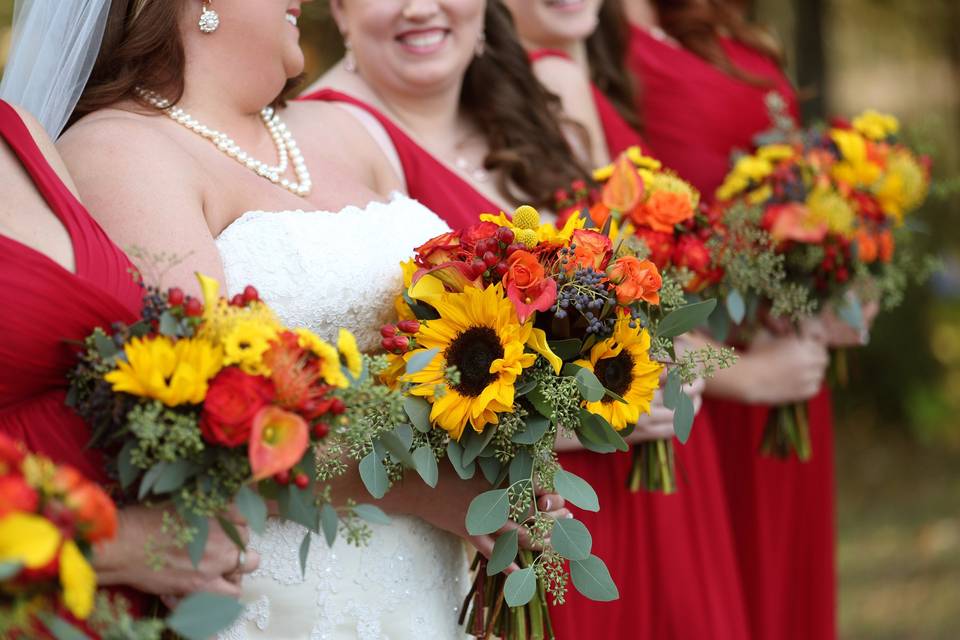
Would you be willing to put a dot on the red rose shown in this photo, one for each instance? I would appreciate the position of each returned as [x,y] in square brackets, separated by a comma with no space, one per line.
[659,243]
[232,402]
[692,253]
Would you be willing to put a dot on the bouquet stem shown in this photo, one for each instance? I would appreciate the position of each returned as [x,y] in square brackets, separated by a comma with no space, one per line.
[841,368]
[788,433]
[653,467]
[483,608]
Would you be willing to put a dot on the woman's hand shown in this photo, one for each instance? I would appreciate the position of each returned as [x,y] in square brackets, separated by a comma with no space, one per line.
[125,561]
[776,370]
[839,333]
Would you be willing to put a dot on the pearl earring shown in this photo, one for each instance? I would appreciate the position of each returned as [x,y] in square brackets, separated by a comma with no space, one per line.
[481,47]
[209,19]
[349,60]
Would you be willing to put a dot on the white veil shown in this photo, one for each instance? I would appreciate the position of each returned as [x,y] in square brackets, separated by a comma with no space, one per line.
[55,44]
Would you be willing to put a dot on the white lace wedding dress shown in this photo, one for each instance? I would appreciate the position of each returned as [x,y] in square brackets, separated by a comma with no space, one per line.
[323,271]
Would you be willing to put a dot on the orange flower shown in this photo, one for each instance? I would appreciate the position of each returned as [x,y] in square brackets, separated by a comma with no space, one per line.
[664,209]
[636,279]
[599,213]
[277,442]
[886,245]
[867,246]
[527,286]
[624,189]
[591,250]
[17,495]
[792,221]
[92,509]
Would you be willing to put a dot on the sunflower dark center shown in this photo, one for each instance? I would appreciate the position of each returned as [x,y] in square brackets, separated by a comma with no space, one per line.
[472,353]
[615,374]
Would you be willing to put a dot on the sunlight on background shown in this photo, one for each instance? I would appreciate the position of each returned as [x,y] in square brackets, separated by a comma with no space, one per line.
[898,431]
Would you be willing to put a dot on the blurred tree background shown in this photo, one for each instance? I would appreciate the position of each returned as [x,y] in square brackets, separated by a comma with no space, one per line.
[898,420]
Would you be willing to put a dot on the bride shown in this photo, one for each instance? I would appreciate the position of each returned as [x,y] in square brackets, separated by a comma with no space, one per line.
[175,153]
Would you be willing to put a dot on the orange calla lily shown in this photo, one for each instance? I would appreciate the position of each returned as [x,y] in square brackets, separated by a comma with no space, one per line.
[278,441]
[623,191]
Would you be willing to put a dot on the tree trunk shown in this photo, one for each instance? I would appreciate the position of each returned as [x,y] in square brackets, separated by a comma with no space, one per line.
[810,54]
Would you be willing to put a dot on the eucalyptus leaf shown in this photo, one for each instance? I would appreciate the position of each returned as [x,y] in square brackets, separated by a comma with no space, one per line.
[198,544]
[252,507]
[491,468]
[672,390]
[405,433]
[455,455]
[296,506]
[566,349]
[106,347]
[202,615]
[9,569]
[539,402]
[521,467]
[476,443]
[519,587]
[60,629]
[719,325]
[125,467]
[576,490]
[304,553]
[374,476]
[488,512]
[591,389]
[592,579]
[524,388]
[420,360]
[371,514]
[329,523]
[736,306]
[173,476]
[683,417]
[850,311]
[536,427]
[418,410]
[504,551]
[426,465]
[169,326]
[571,539]
[231,532]
[686,318]
[398,452]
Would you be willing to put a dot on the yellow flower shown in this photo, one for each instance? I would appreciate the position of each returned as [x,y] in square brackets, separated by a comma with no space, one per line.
[603,174]
[876,126]
[776,152]
[245,343]
[479,334]
[623,365]
[904,185]
[172,372]
[78,580]
[635,154]
[855,168]
[733,185]
[760,194]
[220,317]
[350,353]
[826,206]
[753,168]
[544,233]
[329,358]
[666,181]
[526,217]
[28,539]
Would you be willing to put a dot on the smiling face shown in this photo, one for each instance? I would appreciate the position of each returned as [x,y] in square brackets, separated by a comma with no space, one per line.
[411,46]
[554,24]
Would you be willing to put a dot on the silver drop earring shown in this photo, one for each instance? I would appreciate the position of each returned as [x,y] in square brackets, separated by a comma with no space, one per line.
[209,19]
[349,60]
[481,47]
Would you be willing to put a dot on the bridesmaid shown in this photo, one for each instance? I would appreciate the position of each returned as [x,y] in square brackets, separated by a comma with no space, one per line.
[705,73]
[62,277]
[683,541]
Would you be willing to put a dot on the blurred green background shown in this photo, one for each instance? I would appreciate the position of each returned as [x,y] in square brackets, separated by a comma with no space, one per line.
[898,427]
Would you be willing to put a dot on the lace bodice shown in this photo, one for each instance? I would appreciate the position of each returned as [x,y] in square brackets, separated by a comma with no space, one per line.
[324,271]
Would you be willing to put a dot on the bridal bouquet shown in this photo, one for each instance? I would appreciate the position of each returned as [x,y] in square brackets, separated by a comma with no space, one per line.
[833,202]
[658,216]
[214,404]
[514,333]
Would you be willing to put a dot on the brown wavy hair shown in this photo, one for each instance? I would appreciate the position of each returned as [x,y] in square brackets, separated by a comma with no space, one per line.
[697,24]
[141,47]
[519,117]
[607,51]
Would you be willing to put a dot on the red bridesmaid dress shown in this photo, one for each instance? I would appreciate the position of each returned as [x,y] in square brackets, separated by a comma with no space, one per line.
[428,180]
[47,310]
[671,556]
[782,511]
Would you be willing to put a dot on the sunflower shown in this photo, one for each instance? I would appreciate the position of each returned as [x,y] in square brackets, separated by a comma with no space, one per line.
[172,372]
[477,333]
[622,364]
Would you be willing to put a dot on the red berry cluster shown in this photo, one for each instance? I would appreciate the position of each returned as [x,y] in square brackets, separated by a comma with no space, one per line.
[394,339]
[835,266]
[249,295]
[191,307]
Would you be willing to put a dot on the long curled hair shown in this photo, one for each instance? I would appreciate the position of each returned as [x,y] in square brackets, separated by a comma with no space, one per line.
[606,51]
[520,119]
[696,25]
[141,47]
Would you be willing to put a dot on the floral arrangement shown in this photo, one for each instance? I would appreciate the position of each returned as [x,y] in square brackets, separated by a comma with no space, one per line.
[833,202]
[512,334]
[641,205]
[206,405]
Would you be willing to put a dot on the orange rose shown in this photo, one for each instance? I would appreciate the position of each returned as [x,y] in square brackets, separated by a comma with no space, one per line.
[636,279]
[95,512]
[527,287]
[886,245]
[664,209]
[867,247]
[439,250]
[591,250]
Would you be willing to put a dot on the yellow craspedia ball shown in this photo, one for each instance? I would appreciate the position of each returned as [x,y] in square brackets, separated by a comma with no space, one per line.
[526,217]
[526,237]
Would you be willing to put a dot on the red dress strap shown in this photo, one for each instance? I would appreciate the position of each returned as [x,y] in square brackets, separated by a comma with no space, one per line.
[428,180]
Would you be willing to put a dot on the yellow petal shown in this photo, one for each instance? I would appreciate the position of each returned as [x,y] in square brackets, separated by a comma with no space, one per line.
[78,580]
[211,291]
[347,346]
[538,342]
[28,539]
[426,289]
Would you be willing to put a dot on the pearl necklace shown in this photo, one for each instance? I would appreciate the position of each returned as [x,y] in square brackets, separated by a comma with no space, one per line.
[287,150]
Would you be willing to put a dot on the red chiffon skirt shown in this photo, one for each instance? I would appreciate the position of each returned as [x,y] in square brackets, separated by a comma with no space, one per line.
[783,519]
[671,556]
